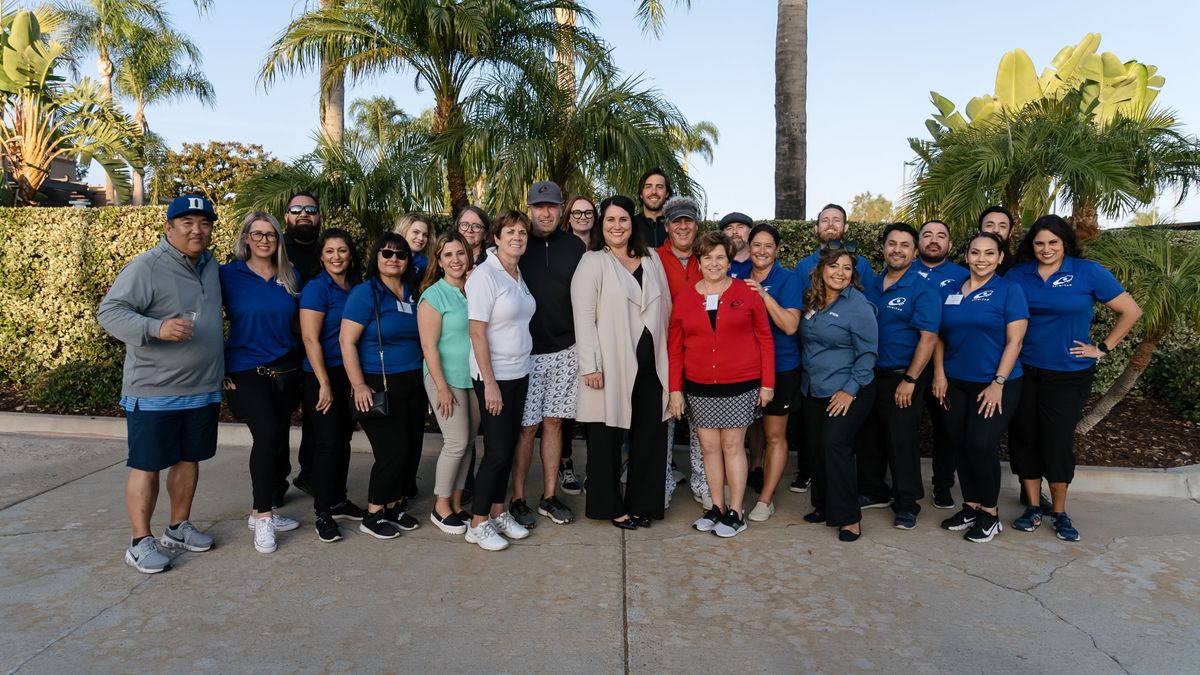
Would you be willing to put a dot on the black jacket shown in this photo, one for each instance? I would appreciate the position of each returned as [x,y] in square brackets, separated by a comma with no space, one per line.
[654,232]
[304,257]
[547,267]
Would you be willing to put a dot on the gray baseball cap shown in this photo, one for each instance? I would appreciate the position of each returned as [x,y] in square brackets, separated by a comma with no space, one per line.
[544,192]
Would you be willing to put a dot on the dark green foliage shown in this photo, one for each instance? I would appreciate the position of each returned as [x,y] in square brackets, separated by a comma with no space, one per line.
[78,385]
[1174,378]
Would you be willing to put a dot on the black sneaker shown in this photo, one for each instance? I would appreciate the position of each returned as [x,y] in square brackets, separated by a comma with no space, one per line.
[379,527]
[347,510]
[522,514]
[800,484]
[555,510]
[942,499]
[327,528]
[961,520]
[568,482]
[398,515]
[754,479]
[302,484]
[986,527]
[732,524]
[865,502]
[1047,505]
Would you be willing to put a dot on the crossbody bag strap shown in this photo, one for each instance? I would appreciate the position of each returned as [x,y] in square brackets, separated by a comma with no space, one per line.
[379,335]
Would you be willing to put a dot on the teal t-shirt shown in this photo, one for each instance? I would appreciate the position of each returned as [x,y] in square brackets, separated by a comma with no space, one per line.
[454,345]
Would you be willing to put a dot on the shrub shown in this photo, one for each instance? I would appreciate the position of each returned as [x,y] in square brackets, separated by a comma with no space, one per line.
[78,385]
[1174,378]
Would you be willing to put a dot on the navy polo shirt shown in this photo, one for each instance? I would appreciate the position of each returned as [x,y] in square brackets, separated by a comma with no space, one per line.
[420,263]
[906,308]
[782,286]
[944,274]
[805,267]
[1061,310]
[740,270]
[974,329]
[261,316]
[397,323]
[322,294]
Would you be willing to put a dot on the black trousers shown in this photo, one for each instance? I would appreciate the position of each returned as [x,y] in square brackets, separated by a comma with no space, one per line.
[889,440]
[831,443]
[976,439]
[396,440]
[329,438]
[1041,436]
[267,411]
[647,461]
[500,433]
[796,438]
[943,448]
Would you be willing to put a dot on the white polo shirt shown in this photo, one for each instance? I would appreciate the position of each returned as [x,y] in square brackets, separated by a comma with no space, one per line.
[507,306]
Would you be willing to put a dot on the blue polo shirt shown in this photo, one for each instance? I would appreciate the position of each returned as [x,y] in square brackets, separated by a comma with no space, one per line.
[740,270]
[840,346]
[420,264]
[397,323]
[782,286]
[805,267]
[1061,310]
[944,274]
[322,294]
[974,329]
[906,308]
[261,316]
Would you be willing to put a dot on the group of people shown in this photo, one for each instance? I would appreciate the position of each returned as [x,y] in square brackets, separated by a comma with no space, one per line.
[629,323]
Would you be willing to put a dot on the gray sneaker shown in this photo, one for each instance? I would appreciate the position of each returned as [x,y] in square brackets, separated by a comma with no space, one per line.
[146,558]
[555,510]
[522,514]
[186,536]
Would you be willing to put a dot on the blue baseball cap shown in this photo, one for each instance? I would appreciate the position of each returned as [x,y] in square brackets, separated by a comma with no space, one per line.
[187,204]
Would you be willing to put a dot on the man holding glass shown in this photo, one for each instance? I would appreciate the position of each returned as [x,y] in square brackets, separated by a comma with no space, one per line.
[166,307]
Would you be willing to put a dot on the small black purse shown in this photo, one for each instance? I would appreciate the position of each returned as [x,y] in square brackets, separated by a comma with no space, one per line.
[379,400]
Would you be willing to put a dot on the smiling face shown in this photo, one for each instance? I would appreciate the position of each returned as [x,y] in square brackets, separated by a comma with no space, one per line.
[417,235]
[654,193]
[545,217]
[998,224]
[617,226]
[471,228]
[1048,248]
[715,264]
[298,214]
[899,249]
[582,217]
[763,251]
[983,255]
[512,239]
[838,274]
[737,233]
[262,240]
[453,260]
[831,225]
[392,261]
[935,242]
[682,233]
[335,256]
[190,234]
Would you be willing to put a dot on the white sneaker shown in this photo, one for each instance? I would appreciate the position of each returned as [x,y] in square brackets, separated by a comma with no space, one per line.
[704,500]
[761,512]
[264,535]
[508,526]
[486,536]
[281,523]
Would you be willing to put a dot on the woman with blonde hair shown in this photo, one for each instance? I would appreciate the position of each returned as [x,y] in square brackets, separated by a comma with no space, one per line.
[418,232]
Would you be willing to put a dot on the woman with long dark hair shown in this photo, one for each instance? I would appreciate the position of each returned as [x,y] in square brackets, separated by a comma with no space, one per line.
[1059,361]
[326,390]
[262,363]
[382,353]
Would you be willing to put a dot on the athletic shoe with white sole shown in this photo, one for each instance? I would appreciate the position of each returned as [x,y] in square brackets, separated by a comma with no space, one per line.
[486,537]
[508,526]
[709,520]
[281,523]
[761,512]
[905,520]
[451,524]
[400,517]
[187,537]
[347,510]
[1029,521]
[865,502]
[985,529]
[962,520]
[376,525]
[264,535]
[327,528]
[1063,527]
[555,510]
[731,525]
[568,482]
[145,557]
[800,484]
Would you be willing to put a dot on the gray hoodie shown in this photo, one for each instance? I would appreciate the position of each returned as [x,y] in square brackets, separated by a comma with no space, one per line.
[159,284]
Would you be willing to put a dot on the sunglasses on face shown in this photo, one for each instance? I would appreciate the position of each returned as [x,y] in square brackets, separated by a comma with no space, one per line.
[389,253]
[310,209]
[838,245]
[262,236]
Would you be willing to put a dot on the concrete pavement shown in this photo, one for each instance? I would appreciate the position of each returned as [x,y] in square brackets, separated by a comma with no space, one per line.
[782,597]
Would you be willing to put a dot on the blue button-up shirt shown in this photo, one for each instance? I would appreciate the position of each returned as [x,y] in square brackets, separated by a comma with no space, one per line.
[840,344]
[805,267]
[906,308]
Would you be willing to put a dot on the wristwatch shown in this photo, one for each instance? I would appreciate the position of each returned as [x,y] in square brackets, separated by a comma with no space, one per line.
[1000,379]
[908,378]
[1103,348]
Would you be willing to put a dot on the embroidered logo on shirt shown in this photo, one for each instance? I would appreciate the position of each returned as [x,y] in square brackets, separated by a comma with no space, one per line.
[1063,281]
[735,304]
[983,295]
[897,303]
[944,282]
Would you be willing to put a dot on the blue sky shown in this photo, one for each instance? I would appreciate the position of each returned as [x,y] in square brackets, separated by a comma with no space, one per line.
[871,66]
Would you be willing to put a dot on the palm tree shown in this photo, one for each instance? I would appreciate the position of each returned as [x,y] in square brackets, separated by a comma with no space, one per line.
[333,93]
[445,44]
[698,139]
[163,68]
[1163,276]
[379,123]
[791,118]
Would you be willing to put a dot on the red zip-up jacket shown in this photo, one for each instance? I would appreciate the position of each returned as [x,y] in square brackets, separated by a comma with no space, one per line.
[677,276]
[740,349]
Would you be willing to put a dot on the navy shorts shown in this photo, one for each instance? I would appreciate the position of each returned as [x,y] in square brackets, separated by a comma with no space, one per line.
[160,439]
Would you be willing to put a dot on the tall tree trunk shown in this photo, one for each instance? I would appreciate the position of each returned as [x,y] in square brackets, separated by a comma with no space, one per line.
[1084,219]
[137,195]
[333,96]
[791,115]
[564,59]
[445,115]
[105,68]
[1137,365]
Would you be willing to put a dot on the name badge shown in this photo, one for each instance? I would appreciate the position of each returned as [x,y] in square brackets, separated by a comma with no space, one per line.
[811,313]
[954,299]
[711,301]
[404,307]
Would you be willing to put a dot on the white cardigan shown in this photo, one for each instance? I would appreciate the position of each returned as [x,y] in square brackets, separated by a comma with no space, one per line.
[610,312]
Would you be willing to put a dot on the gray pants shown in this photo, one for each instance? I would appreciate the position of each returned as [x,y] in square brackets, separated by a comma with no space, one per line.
[458,433]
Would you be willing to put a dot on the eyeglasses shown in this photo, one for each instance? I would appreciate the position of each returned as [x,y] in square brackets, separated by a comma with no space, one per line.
[471,227]
[838,245]
[262,236]
[389,253]
[310,209]
[589,213]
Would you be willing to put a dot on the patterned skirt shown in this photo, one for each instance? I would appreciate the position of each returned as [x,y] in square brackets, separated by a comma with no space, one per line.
[722,412]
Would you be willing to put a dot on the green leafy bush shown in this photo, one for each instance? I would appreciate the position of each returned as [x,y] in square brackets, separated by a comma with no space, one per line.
[1174,378]
[78,385]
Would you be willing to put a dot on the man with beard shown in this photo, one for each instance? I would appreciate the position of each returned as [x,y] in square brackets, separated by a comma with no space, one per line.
[547,266]
[999,221]
[737,227]
[653,191]
[303,226]
[908,311]
[831,227]
[933,264]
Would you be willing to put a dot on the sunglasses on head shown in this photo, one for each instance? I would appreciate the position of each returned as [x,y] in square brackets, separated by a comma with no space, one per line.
[388,253]
[839,245]
[310,209]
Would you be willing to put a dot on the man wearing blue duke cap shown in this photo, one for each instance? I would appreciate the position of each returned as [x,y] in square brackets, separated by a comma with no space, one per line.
[165,306]
[831,226]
